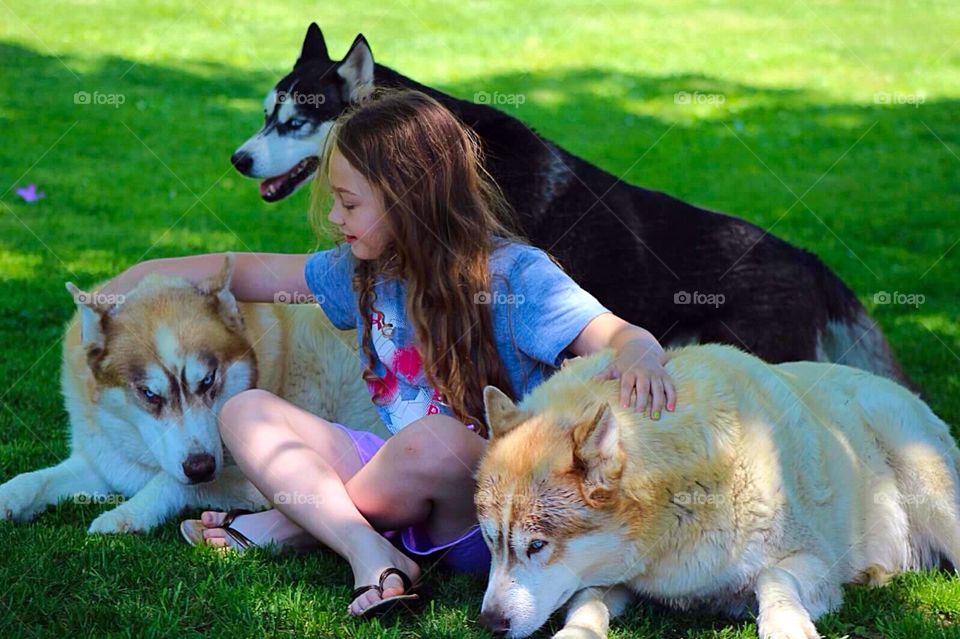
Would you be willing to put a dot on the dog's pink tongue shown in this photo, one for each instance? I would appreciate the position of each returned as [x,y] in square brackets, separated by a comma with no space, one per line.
[270,183]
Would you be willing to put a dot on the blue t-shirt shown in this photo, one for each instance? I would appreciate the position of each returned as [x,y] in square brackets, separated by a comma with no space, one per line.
[537,311]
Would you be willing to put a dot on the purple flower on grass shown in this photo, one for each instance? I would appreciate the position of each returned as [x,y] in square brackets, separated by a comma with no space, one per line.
[29,193]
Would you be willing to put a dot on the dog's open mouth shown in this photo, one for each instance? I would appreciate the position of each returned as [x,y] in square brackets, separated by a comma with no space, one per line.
[280,186]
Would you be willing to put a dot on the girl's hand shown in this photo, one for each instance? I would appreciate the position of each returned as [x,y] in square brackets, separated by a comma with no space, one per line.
[641,371]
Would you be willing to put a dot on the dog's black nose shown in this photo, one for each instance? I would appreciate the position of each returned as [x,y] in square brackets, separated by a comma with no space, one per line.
[242,161]
[494,621]
[199,468]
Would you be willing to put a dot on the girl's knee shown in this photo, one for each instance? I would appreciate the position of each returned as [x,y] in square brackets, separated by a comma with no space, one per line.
[439,446]
[243,409]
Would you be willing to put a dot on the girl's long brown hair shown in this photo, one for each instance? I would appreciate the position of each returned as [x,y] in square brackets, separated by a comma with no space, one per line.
[444,212]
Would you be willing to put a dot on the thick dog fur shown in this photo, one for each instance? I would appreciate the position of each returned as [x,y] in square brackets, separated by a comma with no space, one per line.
[767,488]
[685,273]
[166,454]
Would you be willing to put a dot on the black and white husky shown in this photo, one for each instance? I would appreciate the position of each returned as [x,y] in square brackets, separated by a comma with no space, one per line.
[684,273]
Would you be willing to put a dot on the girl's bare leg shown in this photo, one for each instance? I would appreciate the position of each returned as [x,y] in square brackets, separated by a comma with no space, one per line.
[421,475]
[272,526]
[424,474]
[261,431]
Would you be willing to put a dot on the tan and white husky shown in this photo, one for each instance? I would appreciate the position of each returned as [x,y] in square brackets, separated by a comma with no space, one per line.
[767,488]
[144,380]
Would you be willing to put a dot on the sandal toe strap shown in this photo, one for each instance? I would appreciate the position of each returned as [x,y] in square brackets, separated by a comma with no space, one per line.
[242,540]
[232,514]
[407,584]
[362,589]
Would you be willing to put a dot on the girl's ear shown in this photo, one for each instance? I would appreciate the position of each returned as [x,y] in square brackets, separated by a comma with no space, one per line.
[356,69]
[502,414]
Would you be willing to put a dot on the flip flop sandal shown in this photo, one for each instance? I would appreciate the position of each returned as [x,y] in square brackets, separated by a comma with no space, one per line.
[192,531]
[410,599]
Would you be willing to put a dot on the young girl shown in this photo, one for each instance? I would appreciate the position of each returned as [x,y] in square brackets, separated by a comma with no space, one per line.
[446,299]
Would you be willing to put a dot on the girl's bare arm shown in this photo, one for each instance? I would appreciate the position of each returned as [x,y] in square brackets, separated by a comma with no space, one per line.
[257,277]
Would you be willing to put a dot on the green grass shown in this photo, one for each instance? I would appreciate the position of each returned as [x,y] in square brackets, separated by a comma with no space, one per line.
[878,201]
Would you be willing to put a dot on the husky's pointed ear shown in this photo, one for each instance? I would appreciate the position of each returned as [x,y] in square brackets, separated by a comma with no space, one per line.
[314,47]
[598,456]
[356,69]
[218,287]
[502,414]
[92,320]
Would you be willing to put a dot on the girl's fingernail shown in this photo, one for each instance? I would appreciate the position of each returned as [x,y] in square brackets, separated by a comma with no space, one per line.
[670,407]
[656,414]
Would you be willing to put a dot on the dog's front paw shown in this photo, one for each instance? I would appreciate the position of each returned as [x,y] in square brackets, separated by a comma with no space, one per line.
[578,632]
[786,623]
[17,501]
[115,521]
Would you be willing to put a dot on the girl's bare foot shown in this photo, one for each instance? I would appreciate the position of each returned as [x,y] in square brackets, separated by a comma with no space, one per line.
[368,564]
[367,570]
[261,528]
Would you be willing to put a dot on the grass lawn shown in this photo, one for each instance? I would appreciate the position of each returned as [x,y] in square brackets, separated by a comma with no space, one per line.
[832,123]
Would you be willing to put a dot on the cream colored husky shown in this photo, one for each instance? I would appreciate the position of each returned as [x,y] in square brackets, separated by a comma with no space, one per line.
[768,488]
[144,380]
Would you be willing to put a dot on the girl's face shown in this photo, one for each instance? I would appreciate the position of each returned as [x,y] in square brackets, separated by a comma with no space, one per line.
[357,209]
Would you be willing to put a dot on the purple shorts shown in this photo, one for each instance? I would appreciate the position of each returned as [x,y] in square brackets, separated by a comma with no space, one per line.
[467,554]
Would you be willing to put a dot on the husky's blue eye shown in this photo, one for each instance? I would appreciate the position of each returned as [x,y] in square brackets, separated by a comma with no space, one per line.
[149,395]
[296,123]
[207,382]
[536,546]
